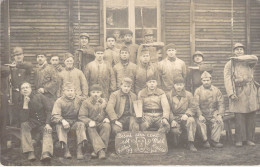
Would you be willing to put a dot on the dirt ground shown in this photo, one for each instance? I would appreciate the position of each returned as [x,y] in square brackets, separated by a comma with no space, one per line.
[229,155]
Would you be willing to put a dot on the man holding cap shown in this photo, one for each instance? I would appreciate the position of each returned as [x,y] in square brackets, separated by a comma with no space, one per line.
[170,68]
[133,48]
[111,54]
[92,114]
[85,54]
[120,108]
[101,72]
[156,108]
[74,75]
[210,109]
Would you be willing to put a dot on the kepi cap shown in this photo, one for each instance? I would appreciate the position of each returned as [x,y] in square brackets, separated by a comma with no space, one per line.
[205,74]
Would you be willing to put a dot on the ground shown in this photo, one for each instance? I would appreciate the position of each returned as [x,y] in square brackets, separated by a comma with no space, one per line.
[229,155]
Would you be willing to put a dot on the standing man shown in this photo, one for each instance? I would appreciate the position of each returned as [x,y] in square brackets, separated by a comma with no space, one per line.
[35,114]
[85,54]
[170,68]
[124,68]
[111,52]
[133,48]
[210,109]
[156,108]
[120,108]
[65,116]
[117,35]
[101,72]
[74,75]
[243,95]
[152,46]
[46,79]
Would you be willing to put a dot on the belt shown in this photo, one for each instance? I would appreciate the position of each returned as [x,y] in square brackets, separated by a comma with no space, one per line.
[153,111]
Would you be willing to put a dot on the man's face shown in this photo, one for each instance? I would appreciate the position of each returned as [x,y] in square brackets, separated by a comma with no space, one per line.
[152,84]
[239,51]
[171,52]
[55,60]
[18,57]
[116,34]
[124,55]
[198,59]
[145,58]
[148,38]
[41,59]
[69,93]
[84,41]
[96,94]
[128,38]
[206,82]
[26,89]
[110,42]
[126,87]
[179,86]
[69,62]
[99,55]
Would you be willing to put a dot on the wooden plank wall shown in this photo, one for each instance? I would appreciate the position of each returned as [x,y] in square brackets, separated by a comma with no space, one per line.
[39,26]
[4,51]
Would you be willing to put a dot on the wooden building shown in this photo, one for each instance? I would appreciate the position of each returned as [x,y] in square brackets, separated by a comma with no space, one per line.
[211,26]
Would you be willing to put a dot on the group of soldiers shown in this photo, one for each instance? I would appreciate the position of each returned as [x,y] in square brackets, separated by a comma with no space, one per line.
[96,91]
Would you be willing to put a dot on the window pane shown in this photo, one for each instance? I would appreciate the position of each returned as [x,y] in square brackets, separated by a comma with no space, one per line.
[139,35]
[149,17]
[117,13]
[146,3]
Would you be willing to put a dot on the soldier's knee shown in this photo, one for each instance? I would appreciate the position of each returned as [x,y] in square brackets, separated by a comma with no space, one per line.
[116,129]
[144,126]
[191,121]
[107,126]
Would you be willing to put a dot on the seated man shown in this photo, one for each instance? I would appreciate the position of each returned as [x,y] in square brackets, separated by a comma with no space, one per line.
[92,114]
[210,107]
[182,113]
[120,108]
[156,108]
[65,115]
[35,114]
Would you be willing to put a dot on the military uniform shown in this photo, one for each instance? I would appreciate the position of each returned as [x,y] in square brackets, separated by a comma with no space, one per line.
[112,56]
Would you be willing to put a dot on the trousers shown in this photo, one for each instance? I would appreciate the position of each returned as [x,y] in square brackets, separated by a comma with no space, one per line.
[154,120]
[128,122]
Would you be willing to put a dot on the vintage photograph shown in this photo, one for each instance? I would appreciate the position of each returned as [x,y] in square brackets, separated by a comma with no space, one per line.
[130,82]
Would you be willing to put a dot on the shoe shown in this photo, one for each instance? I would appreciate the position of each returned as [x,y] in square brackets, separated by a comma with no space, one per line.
[94,155]
[250,143]
[192,147]
[31,156]
[206,144]
[67,154]
[101,154]
[217,144]
[239,144]
[79,152]
[45,156]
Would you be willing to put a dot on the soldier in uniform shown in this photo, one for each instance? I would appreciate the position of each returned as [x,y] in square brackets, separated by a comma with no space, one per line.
[182,113]
[65,117]
[85,54]
[101,72]
[74,75]
[120,108]
[210,109]
[133,48]
[156,108]
[124,68]
[243,93]
[170,68]
[92,114]
[35,114]
[111,54]
[117,35]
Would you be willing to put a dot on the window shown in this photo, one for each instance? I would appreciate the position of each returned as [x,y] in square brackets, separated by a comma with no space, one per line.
[136,15]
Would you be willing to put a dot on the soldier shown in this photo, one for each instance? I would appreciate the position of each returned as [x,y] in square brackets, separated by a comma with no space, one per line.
[85,54]
[74,75]
[46,80]
[152,46]
[133,48]
[117,35]
[170,68]
[92,114]
[144,70]
[35,114]
[156,108]
[242,93]
[65,115]
[111,54]
[124,68]
[120,108]
[210,108]
[100,72]
[182,113]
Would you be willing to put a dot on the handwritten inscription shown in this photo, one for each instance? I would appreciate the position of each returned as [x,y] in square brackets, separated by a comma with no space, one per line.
[147,142]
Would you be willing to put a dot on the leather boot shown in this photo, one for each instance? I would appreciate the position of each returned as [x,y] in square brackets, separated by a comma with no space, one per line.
[101,154]
[67,154]
[45,156]
[31,156]
[192,147]
[79,152]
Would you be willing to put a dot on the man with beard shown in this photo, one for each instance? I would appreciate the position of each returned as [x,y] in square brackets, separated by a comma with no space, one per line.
[210,109]
[85,54]
[133,48]
[170,68]
[111,54]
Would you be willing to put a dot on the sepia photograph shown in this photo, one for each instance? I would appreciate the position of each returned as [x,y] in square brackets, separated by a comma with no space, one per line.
[130,83]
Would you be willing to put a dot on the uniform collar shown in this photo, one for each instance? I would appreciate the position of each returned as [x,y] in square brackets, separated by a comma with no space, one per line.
[182,93]
[211,88]
[155,92]
[43,65]
[123,94]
